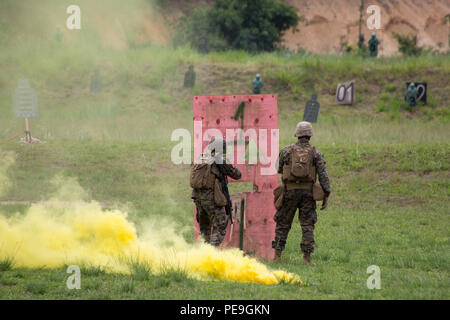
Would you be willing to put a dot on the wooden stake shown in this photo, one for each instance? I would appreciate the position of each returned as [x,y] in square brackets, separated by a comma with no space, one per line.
[27,131]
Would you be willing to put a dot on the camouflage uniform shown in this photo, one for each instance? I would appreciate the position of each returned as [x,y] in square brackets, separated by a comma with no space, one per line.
[209,215]
[301,199]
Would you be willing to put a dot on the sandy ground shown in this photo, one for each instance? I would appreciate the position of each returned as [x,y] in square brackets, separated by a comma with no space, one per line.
[328,23]
[325,25]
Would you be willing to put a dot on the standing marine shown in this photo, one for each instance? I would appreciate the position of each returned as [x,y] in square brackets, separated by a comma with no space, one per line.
[209,180]
[257,84]
[299,164]
[373,45]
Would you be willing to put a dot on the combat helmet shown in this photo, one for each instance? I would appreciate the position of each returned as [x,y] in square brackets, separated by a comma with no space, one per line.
[303,128]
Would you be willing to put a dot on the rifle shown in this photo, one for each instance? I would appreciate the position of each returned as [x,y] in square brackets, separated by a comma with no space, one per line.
[224,186]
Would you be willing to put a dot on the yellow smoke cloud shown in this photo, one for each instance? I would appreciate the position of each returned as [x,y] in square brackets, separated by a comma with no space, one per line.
[61,232]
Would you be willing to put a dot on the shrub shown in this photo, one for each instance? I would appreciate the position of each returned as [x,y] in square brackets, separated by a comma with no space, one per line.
[239,24]
[407,45]
[6,264]
[197,30]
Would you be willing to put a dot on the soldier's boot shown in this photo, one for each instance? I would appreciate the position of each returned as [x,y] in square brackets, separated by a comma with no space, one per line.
[307,259]
[277,256]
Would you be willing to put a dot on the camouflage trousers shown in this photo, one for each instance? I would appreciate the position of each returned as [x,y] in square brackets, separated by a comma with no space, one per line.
[213,221]
[293,200]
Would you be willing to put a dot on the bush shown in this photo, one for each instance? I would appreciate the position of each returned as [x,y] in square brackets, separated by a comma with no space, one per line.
[238,24]
[6,264]
[197,30]
[407,45]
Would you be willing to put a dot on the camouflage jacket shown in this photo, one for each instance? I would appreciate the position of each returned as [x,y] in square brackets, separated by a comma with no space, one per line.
[228,170]
[318,160]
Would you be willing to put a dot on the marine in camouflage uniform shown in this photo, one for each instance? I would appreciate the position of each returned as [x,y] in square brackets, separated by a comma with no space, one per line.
[300,196]
[211,218]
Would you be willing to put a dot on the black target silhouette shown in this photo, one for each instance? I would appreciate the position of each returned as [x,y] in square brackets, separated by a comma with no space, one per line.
[421,91]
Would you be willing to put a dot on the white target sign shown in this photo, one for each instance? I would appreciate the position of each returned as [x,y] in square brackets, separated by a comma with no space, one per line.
[345,93]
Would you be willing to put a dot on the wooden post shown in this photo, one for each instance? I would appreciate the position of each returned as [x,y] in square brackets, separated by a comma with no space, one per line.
[27,131]
[241,227]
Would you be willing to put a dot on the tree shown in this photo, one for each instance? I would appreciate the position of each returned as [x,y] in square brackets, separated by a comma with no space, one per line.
[407,45]
[197,30]
[243,24]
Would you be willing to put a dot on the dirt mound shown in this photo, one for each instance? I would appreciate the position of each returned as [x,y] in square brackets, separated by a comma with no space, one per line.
[329,24]
[325,27]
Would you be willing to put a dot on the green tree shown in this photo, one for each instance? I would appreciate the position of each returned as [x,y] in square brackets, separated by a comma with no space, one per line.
[407,45]
[240,24]
[197,30]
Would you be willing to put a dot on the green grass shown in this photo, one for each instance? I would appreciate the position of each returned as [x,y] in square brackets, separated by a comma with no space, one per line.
[36,287]
[386,209]
[6,264]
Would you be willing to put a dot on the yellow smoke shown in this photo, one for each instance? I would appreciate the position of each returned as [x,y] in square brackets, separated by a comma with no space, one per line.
[66,231]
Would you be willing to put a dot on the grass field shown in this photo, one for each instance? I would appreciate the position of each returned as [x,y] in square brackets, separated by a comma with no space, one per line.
[389,170]
[388,208]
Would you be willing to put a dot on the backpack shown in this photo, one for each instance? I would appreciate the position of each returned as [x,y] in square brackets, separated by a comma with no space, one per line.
[301,168]
[201,176]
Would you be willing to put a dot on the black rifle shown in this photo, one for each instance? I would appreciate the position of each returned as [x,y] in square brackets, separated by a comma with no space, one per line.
[224,186]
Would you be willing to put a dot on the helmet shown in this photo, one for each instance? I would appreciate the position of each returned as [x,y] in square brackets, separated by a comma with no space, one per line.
[303,128]
[412,85]
[373,34]
[258,76]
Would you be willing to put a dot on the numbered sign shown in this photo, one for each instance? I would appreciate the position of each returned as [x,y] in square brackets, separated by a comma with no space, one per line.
[244,121]
[421,91]
[345,93]
[25,100]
